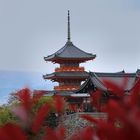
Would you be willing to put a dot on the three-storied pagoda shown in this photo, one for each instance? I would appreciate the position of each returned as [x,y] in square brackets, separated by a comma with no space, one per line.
[69,75]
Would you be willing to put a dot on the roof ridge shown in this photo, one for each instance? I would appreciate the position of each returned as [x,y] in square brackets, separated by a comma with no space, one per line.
[100,80]
[61,50]
[82,50]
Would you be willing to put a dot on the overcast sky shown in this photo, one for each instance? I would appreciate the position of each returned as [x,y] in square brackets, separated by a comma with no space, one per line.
[32,29]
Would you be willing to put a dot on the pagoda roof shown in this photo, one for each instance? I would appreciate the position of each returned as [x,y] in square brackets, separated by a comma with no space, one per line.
[97,79]
[69,75]
[70,52]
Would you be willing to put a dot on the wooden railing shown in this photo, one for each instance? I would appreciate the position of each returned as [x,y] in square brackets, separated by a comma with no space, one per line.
[69,68]
[66,87]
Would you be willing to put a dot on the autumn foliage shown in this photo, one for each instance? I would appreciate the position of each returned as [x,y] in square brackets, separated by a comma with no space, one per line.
[122,123]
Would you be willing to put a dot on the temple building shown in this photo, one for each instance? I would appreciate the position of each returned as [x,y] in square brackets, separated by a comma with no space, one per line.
[70,75]
[97,81]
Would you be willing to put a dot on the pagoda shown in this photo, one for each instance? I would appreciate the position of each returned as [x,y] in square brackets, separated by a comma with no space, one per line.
[69,74]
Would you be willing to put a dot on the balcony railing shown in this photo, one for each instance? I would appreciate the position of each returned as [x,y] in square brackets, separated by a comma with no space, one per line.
[66,87]
[63,69]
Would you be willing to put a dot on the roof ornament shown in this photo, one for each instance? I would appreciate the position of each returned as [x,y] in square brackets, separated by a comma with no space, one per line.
[69,39]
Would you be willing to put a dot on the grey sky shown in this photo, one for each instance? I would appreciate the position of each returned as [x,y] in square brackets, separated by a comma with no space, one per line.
[32,29]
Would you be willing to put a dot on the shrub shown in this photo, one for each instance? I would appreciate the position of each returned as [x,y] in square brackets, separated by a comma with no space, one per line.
[122,123]
[6,116]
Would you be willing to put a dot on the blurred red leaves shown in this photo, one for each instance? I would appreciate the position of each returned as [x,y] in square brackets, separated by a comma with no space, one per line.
[117,88]
[122,122]
[89,118]
[58,134]
[12,132]
[40,117]
[32,123]
[96,96]
[24,97]
[59,103]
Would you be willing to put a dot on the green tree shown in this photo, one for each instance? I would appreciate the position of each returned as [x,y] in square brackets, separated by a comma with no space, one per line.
[6,115]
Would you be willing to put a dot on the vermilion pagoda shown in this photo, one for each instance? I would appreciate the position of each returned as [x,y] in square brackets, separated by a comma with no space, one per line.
[69,75]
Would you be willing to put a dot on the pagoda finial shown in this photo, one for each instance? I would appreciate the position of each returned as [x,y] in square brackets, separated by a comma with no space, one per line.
[69,26]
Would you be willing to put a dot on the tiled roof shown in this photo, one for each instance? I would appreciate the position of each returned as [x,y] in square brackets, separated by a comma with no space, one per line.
[66,74]
[69,51]
[97,79]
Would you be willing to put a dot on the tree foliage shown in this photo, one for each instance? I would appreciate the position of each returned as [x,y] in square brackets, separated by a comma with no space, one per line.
[6,115]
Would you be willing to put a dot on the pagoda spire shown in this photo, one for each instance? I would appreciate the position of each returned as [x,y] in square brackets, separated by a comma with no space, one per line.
[69,39]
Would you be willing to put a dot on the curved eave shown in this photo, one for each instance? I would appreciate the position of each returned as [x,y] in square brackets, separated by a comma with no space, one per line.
[118,74]
[68,75]
[62,59]
[48,76]
[83,85]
